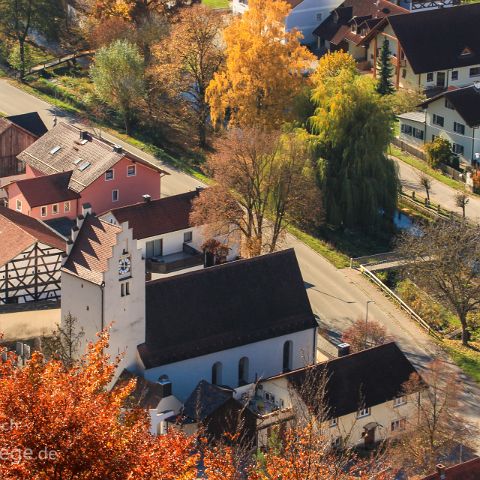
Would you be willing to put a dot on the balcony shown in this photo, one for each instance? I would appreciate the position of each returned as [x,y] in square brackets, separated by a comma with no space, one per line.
[187,258]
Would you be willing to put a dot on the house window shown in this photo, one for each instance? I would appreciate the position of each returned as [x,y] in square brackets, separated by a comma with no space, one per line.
[406,129]
[449,104]
[187,237]
[458,149]
[364,412]
[398,425]
[127,288]
[430,77]
[109,175]
[287,356]
[402,400]
[337,442]
[475,71]
[115,195]
[455,75]
[459,128]
[217,373]
[122,289]
[333,422]
[417,133]
[433,138]
[438,120]
[243,371]
[131,170]
[154,248]
[43,211]
[55,209]
[19,206]
[66,207]
[318,16]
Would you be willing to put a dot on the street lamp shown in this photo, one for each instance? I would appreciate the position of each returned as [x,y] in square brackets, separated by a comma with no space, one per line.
[366,322]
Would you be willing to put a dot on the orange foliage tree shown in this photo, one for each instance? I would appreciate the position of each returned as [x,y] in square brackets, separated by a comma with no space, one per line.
[58,423]
[263,70]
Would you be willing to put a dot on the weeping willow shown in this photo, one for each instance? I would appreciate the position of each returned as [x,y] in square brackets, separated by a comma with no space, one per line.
[353,127]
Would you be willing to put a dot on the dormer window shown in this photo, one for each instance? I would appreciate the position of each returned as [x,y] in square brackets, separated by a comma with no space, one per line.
[466,52]
[353,27]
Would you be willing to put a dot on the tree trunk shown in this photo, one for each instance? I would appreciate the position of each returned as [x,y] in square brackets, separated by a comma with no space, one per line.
[465,334]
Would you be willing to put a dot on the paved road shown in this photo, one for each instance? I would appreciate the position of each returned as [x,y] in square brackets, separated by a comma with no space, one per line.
[339,297]
[440,193]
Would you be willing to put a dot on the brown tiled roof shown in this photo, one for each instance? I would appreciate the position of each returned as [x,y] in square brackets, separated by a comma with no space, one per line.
[463,471]
[88,159]
[47,189]
[145,395]
[92,249]
[19,231]
[359,11]
[225,306]
[148,219]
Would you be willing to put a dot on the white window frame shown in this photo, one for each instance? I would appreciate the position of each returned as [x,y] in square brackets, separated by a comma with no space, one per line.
[435,118]
[18,206]
[461,125]
[118,194]
[474,74]
[364,412]
[134,174]
[431,76]
[66,207]
[333,422]
[191,236]
[56,207]
[457,150]
[399,425]
[113,175]
[43,211]
[401,400]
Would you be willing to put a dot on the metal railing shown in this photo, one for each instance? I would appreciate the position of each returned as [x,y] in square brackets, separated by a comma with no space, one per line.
[390,293]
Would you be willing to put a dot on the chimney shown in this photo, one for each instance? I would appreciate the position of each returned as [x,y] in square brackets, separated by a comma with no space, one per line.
[84,135]
[75,231]
[117,149]
[69,249]
[166,386]
[147,198]
[441,472]
[86,209]
[343,349]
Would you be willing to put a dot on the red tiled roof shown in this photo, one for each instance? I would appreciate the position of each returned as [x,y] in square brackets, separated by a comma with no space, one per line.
[148,219]
[463,471]
[19,231]
[92,249]
[47,189]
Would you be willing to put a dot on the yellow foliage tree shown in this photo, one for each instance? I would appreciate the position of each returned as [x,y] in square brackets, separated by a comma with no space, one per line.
[263,71]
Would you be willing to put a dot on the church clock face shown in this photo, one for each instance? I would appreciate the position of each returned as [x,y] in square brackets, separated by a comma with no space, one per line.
[124,266]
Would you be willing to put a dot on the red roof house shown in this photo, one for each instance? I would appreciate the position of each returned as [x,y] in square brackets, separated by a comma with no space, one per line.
[463,471]
[77,168]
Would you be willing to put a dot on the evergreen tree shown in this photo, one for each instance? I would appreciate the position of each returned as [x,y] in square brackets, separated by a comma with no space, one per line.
[385,71]
[353,127]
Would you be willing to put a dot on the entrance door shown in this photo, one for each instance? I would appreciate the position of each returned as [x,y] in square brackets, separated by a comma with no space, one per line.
[441,79]
[369,437]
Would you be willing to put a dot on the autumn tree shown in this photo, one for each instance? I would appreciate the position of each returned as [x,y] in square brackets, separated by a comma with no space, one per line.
[118,78]
[437,428]
[365,334]
[187,60]
[18,18]
[262,180]
[443,260]
[385,70]
[63,423]
[426,182]
[461,201]
[352,127]
[264,68]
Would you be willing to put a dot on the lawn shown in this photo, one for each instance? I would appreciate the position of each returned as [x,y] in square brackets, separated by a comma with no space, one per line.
[216,3]
[468,359]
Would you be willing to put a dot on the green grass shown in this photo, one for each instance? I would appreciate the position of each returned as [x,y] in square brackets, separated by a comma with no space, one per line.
[335,257]
[468,359]
[216,3]
[422,166]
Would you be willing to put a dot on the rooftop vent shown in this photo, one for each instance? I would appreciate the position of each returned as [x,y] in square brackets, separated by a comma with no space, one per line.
[77,161]
[146,198]
[118,149]
[84,137]
[54,150]
[343,349]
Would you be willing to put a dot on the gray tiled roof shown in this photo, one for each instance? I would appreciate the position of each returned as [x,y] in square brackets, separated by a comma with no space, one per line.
[73,154]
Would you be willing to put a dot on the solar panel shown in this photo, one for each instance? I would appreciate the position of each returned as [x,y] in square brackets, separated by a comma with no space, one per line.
[54,150]
[84,166]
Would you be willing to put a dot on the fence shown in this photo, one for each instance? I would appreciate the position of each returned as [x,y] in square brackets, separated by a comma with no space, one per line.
[371,276]
[406,147]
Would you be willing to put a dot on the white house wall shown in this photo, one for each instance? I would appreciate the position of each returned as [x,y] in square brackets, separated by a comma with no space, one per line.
[470,144]
[265,360]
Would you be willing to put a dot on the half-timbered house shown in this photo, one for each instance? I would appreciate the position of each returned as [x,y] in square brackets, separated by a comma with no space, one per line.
[30,259]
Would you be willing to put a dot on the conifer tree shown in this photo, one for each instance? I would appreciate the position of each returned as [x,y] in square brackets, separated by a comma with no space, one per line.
[385,70]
